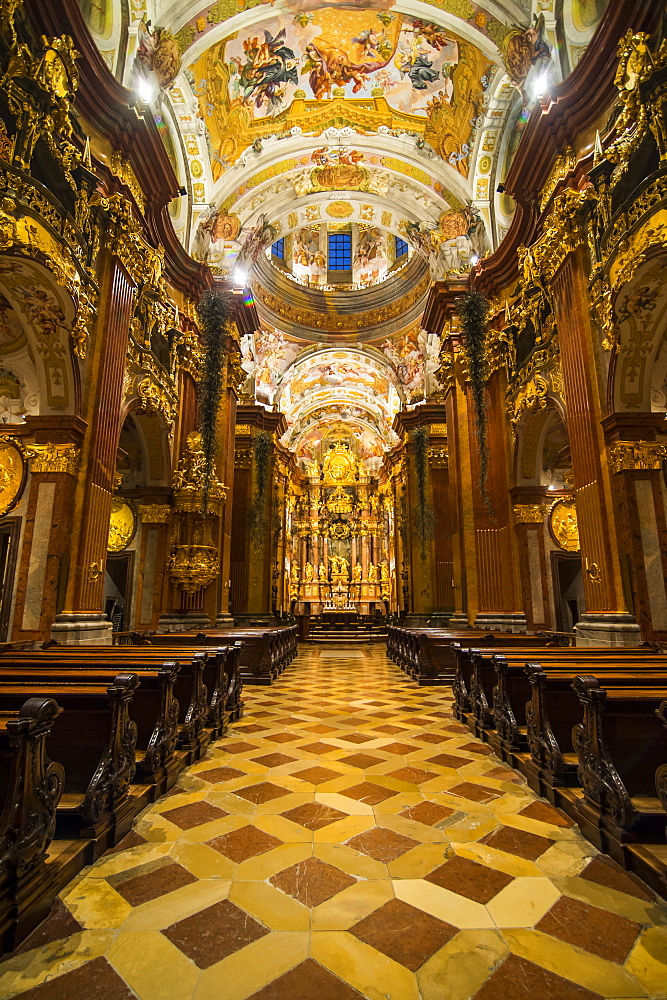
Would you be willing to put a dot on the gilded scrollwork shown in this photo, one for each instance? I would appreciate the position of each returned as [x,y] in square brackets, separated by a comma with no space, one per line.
[630,455]
[53,458]
[533,513]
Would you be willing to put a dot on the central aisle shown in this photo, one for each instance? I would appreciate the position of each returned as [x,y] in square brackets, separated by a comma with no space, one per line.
[348,839]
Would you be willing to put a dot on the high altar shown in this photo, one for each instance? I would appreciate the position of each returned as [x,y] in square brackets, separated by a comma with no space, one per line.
[339,558]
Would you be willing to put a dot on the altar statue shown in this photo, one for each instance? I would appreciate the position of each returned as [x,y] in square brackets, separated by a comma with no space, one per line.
[295,573]
[309,573]
[343,567]
[372,574]
[356,573]
[384,572]
[323,573]
[333,561]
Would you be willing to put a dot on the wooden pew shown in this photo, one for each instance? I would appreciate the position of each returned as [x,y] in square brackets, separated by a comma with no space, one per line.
[264,655]
[95,741]
[30,789]
[190,693]
[154,707]
[621,745]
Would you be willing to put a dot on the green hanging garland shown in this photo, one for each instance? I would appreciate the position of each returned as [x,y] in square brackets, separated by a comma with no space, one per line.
[214,313]
[473,310]
[424,517]
[257,508]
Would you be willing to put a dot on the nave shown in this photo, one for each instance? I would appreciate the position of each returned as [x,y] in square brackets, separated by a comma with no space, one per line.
[348,838]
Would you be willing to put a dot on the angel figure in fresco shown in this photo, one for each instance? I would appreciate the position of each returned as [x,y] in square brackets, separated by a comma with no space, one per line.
[257,238]
[158,53]
[523,49]
[413,63]
[330,67]
[268,69]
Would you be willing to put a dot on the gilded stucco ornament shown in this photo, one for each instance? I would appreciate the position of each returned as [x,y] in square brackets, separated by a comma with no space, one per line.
[154,513]
[563,524]
[12,474]
[531,513]
[50,458]
[629,455]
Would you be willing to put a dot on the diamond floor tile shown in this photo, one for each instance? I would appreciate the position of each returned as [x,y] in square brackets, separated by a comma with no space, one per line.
[225,869]
[312,881]
[214,933]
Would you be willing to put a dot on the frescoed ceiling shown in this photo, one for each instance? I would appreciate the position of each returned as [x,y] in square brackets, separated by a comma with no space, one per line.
[392,121]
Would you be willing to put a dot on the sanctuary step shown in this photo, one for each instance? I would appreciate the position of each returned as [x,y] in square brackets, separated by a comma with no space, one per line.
[346,628]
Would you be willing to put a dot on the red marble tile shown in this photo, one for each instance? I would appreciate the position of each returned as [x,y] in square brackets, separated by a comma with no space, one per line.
[382,844]
[476,793]
[314,815]
[273,759]
[369,793]
[428,812]
[59,924]
[604,871]
[214,933]
[218,774]
[192,815]
[412,775]
[519,842]
[305,982]
[311,882]
[448,760]
[318,748]
[601,932]
[519,979]
[96,980]
[403,933]
[545,813]
[317,775]
[150,881]
[470,879]
[400,749]
[361,760]
[265,791]
[246,842]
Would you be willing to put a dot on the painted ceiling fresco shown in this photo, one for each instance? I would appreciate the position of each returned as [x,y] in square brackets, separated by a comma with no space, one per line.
[292,119]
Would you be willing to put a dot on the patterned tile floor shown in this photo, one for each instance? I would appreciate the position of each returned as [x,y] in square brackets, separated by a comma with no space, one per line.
[348,839]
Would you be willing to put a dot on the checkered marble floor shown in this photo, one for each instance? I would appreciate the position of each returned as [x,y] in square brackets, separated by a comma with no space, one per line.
[348,839]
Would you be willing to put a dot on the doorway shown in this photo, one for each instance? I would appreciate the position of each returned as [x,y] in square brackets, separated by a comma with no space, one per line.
[118,589]
[568,589]
[10,530]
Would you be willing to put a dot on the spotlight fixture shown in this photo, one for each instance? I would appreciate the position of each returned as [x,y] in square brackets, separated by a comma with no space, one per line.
[501,189]
[145,90]
[240,277]
[474,259]
[182,190]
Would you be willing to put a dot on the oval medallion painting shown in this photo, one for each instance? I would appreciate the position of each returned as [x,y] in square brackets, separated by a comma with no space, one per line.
[121,525]
[12,476]
[563,524]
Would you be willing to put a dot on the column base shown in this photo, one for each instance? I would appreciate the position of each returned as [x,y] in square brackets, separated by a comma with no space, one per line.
[597,628]
[184,621]
[458,621]
[417,620]
[501,621]
[76,628]
[224,620]
[246,619]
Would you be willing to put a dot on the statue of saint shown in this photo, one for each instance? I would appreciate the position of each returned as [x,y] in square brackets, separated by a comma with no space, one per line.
[372,574]
[310,573]
[333,562]
[295,573]
[384,571]
[343,566]
[356,573]
[323,573]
